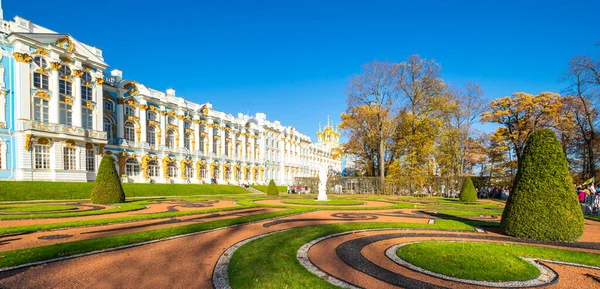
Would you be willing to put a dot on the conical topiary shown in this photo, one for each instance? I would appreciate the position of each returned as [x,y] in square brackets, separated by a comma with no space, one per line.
[468,192]
[108,189]
[543,205]
[272,190]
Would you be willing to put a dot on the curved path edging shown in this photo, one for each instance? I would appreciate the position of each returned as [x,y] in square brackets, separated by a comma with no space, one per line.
[547,276]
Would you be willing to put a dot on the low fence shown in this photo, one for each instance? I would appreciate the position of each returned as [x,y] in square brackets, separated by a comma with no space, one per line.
[342,185]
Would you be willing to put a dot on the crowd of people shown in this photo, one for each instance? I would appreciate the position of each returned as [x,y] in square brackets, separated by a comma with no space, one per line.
[501,193]
[298,189]
[586,190]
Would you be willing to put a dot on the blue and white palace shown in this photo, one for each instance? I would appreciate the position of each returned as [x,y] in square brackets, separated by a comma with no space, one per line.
[61,111]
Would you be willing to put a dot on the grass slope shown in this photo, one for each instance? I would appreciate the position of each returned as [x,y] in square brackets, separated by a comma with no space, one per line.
[281,189]
[26,191]
[487,262]
[124,207]
[330,202]
[35,208]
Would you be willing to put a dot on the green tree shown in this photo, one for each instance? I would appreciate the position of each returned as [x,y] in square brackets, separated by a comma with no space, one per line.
[543,205]
[272,190]
[468,192]
[108,189]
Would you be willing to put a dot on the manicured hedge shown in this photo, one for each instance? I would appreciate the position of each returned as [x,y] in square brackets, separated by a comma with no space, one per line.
[543,205]
[264,189]
[272,189]
[468,192]
[108,188]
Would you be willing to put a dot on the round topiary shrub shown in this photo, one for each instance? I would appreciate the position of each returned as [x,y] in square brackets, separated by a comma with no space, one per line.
[108,189]
[272,190]
[468,192]
[543,205]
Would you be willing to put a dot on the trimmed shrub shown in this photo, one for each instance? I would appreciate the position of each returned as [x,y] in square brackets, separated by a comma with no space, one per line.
[543,205]
[108,189]
[468,192]
[272,189]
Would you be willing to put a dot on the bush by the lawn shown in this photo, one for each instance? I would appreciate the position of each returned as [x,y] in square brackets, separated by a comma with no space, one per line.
[108,189]
[272,190]
[265,189]
[543,205]
[468,192]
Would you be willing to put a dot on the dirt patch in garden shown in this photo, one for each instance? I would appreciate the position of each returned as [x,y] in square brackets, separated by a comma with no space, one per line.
[367,204]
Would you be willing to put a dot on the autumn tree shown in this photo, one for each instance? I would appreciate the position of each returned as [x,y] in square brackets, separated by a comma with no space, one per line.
[521,114]
[584,77]
[375,88]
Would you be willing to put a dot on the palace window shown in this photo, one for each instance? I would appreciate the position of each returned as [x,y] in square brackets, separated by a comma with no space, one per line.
[217,172]
[152,115]
[69,159]
[215,145]
[109,105]
[201,142]
[90,160]
[187,124]
[108,128]
[40,109]
[189,172]
[153,169]
[87,118]
[228,173]
[40,79]
[64,83]
[172,120]
[238,174]
[86,87]
[170,139]
[66,112]
[129,131]
[41,157]
[203,172]
[129,110]
[172,170]
[151,136]
[133,167]
[187,141]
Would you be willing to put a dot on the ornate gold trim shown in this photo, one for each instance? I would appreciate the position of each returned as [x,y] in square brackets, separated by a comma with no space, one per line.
[70,143]
[42,95]
[55,66]
[22,57]
[67,40]
[78,73]
[28,138]
[132,88]
[99,80]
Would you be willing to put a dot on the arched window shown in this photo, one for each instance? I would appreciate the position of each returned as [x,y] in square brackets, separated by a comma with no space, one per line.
[40,77]
[151,136]
[108,128]
[238,174]
[133,167]
[187,141]
[217,172]
[109,105]
[226,148]
[172,120]
[170,139]
[228,174]
[129,110]
[130,131]
[152,115]
[203,172]
[201,143]
[40,109]
[66,111]
[187,124]
[172,170]
[189,171]
[65,86]
[153,169]
[86,87]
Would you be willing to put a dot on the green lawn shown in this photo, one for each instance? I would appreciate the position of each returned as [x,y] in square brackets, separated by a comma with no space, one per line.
[281,189]
[123,207]
[25,256]
[270,262]
[26,191]
[330,202]
[35,208]
[487,262]
[595,218]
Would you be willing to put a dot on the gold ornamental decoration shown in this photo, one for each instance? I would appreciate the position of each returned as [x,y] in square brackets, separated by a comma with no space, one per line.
[42,95]
[132,88]
[22,57]
[89,146]
[41,51]
[66,43]
[122,160]
[55,66]
[99,80]
[70,143]
[28,138]
[78,73]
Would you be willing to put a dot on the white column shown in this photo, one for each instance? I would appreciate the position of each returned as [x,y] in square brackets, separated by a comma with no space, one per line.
[209,130]
[99,111]
[181,133]
[143,125]
[54,97]
[120,121]
[163,128]
[77,104]
[22,91]
[197,136]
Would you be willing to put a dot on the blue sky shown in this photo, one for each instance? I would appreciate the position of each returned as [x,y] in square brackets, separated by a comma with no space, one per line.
[292,59]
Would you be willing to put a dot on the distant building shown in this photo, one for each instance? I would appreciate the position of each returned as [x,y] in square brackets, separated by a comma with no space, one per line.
[60,112]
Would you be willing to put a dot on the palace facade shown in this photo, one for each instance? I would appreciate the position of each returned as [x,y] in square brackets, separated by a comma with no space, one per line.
[60,112]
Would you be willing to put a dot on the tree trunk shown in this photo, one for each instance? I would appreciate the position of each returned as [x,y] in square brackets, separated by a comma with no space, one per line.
[381,160]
